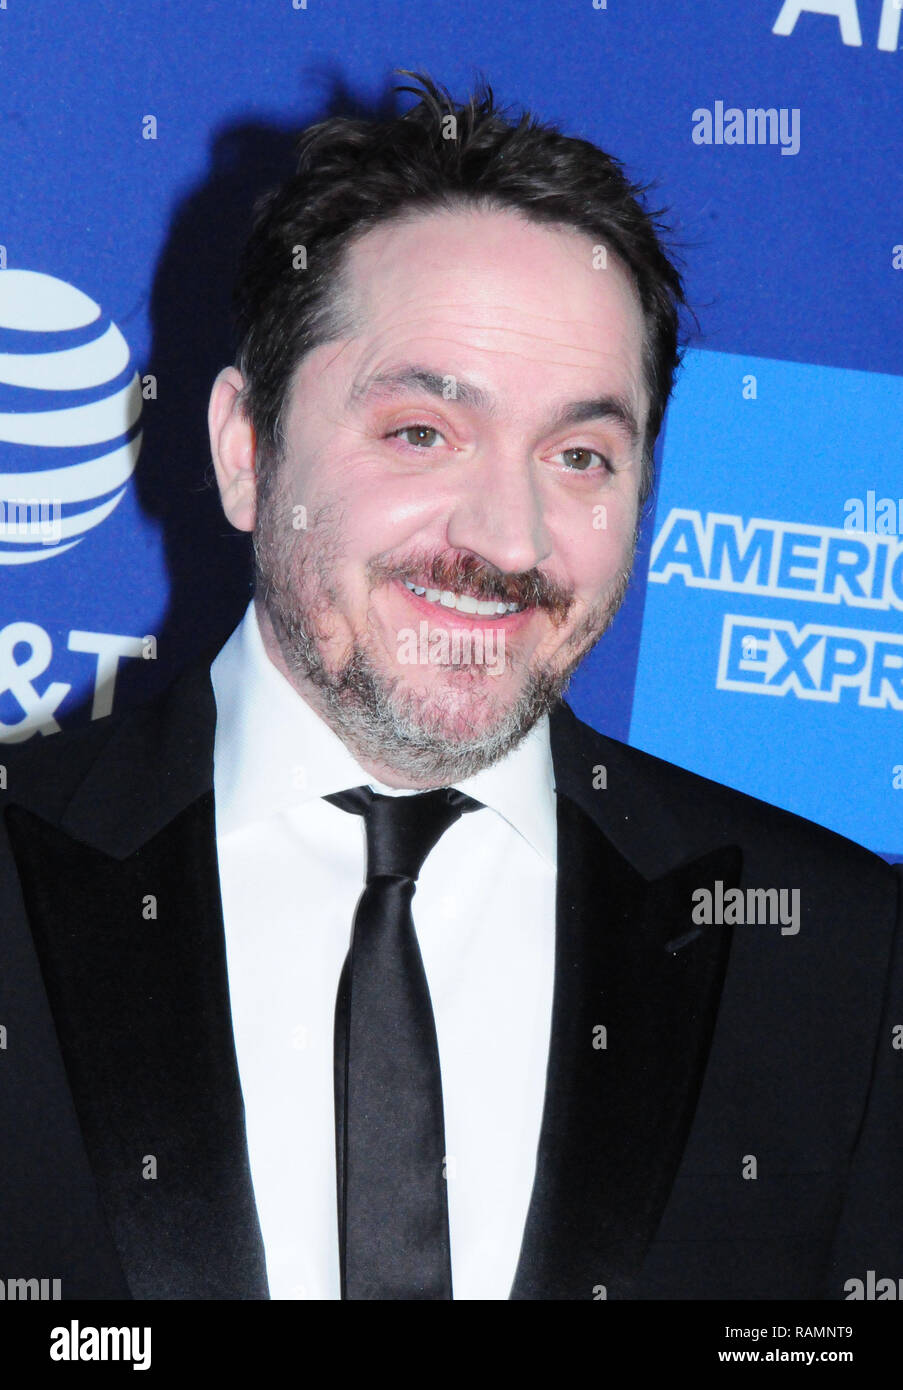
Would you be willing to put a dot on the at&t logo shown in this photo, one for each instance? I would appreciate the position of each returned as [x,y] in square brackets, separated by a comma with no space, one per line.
[70,403]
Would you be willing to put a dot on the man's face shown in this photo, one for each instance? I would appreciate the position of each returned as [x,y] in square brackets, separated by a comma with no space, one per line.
[478,438]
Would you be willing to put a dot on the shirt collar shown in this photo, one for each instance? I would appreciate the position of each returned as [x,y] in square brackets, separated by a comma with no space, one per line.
[272,751]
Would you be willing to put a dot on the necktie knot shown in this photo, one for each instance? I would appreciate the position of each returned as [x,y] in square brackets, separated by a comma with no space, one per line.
[401,830]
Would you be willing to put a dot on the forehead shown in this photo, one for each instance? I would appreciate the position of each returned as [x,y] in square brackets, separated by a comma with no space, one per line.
[490,293]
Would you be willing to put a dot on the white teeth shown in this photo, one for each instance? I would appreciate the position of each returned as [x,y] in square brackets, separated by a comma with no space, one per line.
[463,603]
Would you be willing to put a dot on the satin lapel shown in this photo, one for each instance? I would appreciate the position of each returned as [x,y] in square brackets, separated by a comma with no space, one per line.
[619,1102]
[131,950]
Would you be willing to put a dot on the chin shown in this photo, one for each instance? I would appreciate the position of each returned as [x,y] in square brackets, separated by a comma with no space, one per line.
[457,712]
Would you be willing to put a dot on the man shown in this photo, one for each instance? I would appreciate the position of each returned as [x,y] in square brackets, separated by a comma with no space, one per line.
[244,1059]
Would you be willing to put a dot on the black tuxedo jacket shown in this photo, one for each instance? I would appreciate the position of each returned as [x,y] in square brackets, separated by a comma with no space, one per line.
[740,1134]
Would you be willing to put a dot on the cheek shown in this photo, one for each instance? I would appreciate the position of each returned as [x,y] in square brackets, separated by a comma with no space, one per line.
[597,543]
[384,514]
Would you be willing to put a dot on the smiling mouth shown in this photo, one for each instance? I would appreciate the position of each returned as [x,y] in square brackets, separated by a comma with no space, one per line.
[464,603]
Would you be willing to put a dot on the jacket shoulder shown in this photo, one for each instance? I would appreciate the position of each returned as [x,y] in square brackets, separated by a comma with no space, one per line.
[124,750]
[695,810]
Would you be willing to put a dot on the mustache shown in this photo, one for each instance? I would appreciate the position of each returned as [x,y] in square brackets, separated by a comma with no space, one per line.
[528,589]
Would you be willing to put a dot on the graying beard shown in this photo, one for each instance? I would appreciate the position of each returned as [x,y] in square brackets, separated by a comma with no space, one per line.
[383,726]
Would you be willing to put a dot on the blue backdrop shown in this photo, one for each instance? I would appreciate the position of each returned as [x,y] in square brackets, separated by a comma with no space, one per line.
[762,642]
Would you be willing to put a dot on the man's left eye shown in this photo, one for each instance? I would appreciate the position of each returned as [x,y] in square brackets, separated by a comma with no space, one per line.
[580,460]
[420,436]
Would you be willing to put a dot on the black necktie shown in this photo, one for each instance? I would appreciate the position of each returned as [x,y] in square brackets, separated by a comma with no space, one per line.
[390,1133]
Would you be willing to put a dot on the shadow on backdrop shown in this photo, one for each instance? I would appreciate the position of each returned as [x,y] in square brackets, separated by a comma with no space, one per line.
[208,563]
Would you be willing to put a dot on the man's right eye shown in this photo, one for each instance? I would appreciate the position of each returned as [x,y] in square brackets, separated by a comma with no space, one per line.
[419,436]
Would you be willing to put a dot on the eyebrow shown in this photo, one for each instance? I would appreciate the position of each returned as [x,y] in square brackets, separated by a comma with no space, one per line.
[398,380]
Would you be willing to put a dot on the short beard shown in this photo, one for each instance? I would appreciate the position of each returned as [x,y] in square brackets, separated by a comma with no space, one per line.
[380,720]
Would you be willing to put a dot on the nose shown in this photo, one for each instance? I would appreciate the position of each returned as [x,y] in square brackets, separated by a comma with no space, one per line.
[499,512]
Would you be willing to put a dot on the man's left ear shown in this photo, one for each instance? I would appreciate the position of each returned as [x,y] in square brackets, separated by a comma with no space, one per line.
[233,448]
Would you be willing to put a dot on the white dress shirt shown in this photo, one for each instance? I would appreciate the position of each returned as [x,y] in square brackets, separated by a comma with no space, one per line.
[292,868]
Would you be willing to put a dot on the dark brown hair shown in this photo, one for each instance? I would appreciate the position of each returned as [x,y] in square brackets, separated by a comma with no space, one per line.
[354,174]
